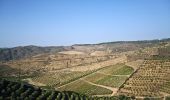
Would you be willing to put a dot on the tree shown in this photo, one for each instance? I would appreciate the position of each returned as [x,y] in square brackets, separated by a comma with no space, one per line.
[122,97]
[59,96]
[72,97]
[63,96]
[133,97]
[13,95]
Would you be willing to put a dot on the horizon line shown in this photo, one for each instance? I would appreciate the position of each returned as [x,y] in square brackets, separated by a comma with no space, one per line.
[80,44]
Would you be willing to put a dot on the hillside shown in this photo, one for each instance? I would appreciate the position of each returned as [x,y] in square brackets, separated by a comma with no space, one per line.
[7,54]
[97,70]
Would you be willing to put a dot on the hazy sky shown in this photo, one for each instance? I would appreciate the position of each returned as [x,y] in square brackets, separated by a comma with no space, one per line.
[66,22]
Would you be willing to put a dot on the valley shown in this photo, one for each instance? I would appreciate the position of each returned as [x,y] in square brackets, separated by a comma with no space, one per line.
[100,70]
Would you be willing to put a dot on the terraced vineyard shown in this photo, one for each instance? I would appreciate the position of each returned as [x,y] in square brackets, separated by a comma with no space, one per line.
[152,79]
[105,81]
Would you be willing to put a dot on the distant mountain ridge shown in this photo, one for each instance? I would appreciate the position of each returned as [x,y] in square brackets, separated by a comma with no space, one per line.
[26,51]
[20,52]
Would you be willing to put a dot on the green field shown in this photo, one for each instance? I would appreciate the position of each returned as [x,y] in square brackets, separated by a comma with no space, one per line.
[119,69]
[85,88]
[112,81]
[112,76]
[107,80]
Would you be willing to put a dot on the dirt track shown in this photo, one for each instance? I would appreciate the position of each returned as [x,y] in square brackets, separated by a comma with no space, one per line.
[114,90]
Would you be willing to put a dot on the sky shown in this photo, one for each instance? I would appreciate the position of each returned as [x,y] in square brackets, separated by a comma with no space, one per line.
[67,22]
